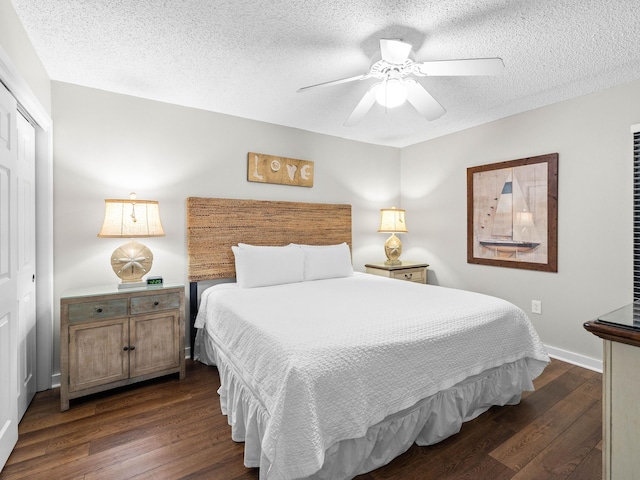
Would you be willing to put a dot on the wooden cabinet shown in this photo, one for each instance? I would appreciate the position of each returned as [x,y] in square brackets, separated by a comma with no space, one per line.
[621,391]
[110,338]
[621,387]
[409,271]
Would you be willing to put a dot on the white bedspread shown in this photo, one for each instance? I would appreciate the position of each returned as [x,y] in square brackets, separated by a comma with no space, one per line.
[330,358]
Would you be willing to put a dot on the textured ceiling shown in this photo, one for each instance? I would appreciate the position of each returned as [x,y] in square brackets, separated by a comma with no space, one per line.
[248,57]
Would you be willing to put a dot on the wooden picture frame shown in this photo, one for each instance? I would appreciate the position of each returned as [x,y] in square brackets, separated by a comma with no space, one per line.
[512,214]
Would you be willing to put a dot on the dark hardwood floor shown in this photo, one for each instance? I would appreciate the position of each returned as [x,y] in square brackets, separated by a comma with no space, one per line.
[171,429]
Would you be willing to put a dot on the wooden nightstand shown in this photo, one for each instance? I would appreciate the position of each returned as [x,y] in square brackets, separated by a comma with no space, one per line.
[110,338]
[409,271]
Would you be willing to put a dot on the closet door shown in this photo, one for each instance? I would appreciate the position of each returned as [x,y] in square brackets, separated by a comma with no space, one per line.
[9,305]
[26,201]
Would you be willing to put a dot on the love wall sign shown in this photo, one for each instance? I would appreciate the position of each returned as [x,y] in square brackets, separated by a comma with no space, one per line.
[280,170]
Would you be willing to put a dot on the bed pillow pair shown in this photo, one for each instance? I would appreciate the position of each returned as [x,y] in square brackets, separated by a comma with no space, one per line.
[260,266]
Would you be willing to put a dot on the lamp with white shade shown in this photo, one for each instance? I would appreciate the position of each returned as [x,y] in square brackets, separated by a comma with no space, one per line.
[392,220]
[131,218]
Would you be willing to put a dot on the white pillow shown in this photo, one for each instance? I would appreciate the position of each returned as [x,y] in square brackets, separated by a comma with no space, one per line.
[258,266]
[327,261]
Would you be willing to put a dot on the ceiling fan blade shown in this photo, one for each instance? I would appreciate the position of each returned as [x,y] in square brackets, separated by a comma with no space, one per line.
[362,108]
[469,66]
[335,82]
[422,101]
[394,51]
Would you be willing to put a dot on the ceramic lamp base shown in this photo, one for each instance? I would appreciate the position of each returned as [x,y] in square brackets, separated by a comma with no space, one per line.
[393,249]
[130,262]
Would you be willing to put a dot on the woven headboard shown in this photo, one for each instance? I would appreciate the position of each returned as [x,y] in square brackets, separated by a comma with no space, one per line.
[215,224]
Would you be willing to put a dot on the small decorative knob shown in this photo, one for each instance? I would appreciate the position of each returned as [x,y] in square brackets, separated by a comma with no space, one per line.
[99,310]
[126,348]
[155,304]
[132,347]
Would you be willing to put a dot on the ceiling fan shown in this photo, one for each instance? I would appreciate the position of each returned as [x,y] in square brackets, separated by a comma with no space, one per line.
[393,68]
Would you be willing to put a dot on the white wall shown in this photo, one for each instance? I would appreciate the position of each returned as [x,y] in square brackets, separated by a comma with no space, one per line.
[592,136]
[14,40]
[107,145]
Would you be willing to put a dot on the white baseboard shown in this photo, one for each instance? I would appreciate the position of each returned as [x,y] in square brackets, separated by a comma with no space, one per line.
[575,358]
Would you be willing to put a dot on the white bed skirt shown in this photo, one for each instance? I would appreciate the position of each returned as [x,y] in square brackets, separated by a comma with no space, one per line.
[428,422]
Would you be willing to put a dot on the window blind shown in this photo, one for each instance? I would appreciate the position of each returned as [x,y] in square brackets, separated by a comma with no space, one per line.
[636,215]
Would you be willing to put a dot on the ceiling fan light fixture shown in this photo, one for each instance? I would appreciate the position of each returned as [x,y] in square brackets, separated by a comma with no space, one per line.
[391,93]
[391,67]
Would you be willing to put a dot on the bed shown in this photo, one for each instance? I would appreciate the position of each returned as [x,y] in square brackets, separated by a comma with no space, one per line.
[335,373]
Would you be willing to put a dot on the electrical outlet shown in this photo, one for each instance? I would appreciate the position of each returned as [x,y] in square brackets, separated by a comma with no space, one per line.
[536,307]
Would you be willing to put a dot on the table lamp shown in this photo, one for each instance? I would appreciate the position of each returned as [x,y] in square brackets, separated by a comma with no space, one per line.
[131,219]
[392,221]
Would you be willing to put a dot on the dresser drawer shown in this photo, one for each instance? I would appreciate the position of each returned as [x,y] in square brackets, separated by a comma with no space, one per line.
[89,311]
[410,274]
[154,303]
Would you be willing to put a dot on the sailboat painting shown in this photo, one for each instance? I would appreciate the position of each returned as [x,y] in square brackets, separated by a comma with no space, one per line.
[510,220]
[513,229]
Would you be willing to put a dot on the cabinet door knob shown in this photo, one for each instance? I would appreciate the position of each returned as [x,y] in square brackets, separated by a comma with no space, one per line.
[99,310]
[155,304]
[132,347]
[126,348]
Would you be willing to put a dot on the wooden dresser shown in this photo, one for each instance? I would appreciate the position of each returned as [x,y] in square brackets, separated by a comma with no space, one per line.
[621,392]
[110,337]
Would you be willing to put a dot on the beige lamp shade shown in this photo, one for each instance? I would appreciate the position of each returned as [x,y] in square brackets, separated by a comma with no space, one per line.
[392,220]
[131,219]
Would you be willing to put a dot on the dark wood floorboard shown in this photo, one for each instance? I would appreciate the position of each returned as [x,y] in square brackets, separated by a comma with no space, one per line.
[172,429]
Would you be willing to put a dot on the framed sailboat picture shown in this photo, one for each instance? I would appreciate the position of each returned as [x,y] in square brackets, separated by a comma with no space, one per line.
[512,213]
